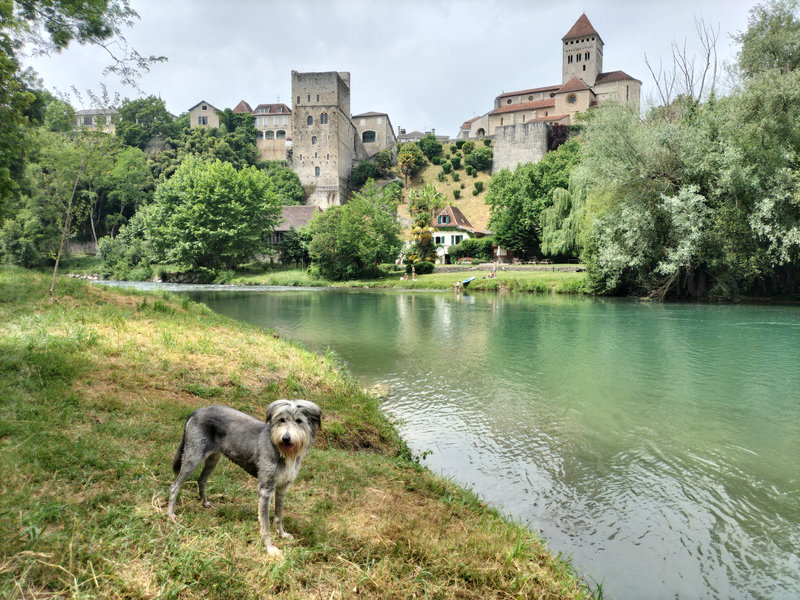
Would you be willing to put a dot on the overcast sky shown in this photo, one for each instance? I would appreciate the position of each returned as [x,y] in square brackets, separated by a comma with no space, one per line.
[427,63]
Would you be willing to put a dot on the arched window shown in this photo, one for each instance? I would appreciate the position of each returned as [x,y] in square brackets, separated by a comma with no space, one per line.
[368,137]
[310,120]
[259,135]
[269,135]
[481,132]
[280,134]
[313,140]
[586,56]
[323,119]
[316,171]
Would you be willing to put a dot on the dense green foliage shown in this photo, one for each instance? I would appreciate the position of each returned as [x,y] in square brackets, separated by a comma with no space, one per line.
[145,121]
[517,199]
[477,248]
[430,146]
[365,170]
[479,159]
[350,241]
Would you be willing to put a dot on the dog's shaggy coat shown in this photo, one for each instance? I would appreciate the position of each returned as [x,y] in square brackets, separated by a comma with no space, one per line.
[271,451]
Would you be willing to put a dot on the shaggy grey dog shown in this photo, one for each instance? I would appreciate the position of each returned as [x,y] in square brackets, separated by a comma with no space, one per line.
[271,451]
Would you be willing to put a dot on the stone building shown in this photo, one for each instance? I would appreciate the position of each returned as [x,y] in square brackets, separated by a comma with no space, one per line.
[324,137]
[375,133]
[273,130]
[203,114]
[584,85]
[97,119]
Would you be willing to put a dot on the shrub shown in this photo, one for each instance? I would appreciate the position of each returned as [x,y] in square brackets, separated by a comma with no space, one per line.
[423,267]
[463,186]
[475,248]
[480,158]
[456,194]
[468,169]
[365,170]
[478,186]
[468,147]
[447,167]
[456,176]
[384,160]
[460,143]
[441,176]
[436,160]
[475,192]
[456,162]
[453,148]
[487,142]
[430,146]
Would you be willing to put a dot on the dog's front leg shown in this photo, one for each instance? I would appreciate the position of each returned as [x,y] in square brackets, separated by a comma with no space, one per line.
[264,500]
[280,494]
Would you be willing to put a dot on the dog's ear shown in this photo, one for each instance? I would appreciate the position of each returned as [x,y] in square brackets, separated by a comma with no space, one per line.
[311,410]
[276,407]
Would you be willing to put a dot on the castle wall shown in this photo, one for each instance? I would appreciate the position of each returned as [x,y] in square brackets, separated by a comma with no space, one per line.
[624,91]
[518,144]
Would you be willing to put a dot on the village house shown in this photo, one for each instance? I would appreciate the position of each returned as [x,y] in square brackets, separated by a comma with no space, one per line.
[376,133]
[451,228]
[292,217]
[203,114]
[97,119]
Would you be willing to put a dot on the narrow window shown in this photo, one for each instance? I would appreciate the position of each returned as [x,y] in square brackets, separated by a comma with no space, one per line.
[317,97]
[298,99]
[584,67]
[586,56]
[627,92]
[569,59]
[578,57]
[313,140]
[501,120]
[316,171]
[310,120]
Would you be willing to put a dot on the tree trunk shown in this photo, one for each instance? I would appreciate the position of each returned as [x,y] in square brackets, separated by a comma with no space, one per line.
[65,231]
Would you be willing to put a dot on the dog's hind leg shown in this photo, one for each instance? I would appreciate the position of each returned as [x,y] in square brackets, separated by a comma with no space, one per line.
[190,462]
[211,462]
[280,494]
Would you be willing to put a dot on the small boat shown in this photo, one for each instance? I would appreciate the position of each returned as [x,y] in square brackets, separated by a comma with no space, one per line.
[467,281]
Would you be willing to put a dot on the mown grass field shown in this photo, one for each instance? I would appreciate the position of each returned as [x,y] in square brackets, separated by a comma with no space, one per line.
[94,391]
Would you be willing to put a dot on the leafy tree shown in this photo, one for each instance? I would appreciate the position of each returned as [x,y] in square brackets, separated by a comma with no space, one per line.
[144,119]
[772,39]
[129,185]
[285,182]
[410,158]
[211,215]
[364,171]
[350,241]
[384,160]
[294,247]
[516,199]
[59,116]
[430,146]
[425,202]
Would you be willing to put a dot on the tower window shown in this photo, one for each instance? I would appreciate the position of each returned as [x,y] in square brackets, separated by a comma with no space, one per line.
[323,118]
[578,57]
[310,120]
[316,171]
[569,59]
[298,99]
[313,140]
[317,97]
[586,56]
[584,67]
[309,97]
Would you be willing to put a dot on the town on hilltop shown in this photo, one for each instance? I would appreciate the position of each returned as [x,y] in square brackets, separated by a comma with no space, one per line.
[319,138]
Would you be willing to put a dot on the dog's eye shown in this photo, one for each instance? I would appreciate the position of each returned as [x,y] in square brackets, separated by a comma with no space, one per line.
[298,421]
[282,420]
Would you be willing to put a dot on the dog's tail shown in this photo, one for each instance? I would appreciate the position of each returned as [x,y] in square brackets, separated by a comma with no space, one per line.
[177,460]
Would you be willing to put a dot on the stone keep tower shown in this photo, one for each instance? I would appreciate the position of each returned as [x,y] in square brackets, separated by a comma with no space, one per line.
[323,136]
[582,52]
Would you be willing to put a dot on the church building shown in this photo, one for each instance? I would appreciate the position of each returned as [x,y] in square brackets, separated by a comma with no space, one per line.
[584,85]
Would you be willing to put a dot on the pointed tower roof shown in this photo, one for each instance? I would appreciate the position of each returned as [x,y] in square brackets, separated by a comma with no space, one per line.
[582,28]
[242,107]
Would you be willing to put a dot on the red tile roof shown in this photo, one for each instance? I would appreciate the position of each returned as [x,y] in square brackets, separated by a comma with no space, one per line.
[573,85]
[582,28]
[549,88]
[242,108]
[272,109]
[457,218]
[535,105]
[468,124]
[614,76]
[547,118]
[296,217]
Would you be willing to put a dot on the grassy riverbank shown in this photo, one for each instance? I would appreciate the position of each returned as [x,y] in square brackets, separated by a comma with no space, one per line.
[94,390]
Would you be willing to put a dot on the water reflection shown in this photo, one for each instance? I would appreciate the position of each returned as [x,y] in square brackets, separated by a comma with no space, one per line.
[656,443]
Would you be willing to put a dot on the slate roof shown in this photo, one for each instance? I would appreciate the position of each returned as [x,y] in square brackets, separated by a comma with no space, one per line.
[535,105]
[370,114]
[582,28]
[295,217]
[203,102]
[457,218]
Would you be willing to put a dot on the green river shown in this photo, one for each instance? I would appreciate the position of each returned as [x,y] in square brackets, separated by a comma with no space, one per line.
[658,444]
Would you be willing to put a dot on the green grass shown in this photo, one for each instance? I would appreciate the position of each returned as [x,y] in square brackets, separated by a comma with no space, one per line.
[94,390]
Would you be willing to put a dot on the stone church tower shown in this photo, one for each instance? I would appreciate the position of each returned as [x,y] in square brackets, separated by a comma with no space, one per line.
[582,53]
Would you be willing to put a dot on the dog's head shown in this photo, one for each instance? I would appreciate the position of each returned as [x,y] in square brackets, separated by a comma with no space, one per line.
[293,425]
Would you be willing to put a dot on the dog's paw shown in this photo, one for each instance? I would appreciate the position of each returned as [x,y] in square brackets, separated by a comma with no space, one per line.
[274,551]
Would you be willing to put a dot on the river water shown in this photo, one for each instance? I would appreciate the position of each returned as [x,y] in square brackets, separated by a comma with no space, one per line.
[658,444]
